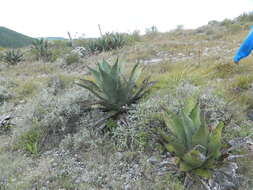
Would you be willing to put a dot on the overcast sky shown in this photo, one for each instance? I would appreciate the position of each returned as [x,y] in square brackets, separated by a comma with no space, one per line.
[41,18]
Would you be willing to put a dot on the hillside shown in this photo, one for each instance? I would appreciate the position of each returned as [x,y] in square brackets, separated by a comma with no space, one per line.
[53,137]
[12,39]
[54,38]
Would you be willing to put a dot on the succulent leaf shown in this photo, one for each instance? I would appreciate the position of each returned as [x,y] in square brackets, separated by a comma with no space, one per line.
[194,158]
[214,143]
[201,136]
[203,173]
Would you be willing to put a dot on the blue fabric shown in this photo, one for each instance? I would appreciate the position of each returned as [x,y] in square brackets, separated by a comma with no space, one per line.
[245,48]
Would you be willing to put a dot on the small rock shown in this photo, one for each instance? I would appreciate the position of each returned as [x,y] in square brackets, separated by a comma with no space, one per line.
[81,51]
[153,160]
[119,155]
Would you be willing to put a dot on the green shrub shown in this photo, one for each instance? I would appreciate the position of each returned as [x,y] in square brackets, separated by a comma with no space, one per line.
[242,82]
[226,22]
[26,89]
[81,42]
[29,141]
[134,37]
[224,70]
[13,57]
[72,58]
[113,89]
[58,48]
[107,42]
[234,28]
[196,148]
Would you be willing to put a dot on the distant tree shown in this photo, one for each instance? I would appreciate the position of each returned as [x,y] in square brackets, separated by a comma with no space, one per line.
[246,17]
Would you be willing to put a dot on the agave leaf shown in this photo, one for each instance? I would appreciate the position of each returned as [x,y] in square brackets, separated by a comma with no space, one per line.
[201,136]
[108,84]
[174,123]
[189,128]
[133,76]
[175,147]
[105,66]
[116,75]
[143,92]
[195,116]
[214,143]
[194,158]
[141,89]
[172,144]
[184,167]
[165,138]
[116,68]
[189,105]
[209,163]
[114,89]
[91,84]
[95,74]
[108,106]
[205,173]
[93,91]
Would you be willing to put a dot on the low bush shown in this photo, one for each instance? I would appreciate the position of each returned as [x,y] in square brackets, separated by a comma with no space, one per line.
[26,89]
[72,58]
[242,82]
[29,141]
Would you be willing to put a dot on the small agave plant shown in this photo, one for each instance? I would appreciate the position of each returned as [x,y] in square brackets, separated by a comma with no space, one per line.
[196,148]
[13,57]
[107,42]
[114,90]
[41,49]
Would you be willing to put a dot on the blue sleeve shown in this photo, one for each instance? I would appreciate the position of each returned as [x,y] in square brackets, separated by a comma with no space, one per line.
[245,48]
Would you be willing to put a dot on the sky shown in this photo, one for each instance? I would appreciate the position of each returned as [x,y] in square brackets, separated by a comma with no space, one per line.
[44,18]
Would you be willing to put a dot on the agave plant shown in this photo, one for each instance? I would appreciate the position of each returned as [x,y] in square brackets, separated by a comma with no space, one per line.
[92,46]
[13,57]
[112,88]
[195,147]
[107,42]
[114,41]
[41,49]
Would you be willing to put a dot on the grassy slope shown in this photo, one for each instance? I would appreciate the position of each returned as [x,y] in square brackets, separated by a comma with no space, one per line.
[12,39]
[184,56]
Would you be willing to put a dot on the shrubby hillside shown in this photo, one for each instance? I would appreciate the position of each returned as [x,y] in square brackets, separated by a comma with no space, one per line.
[12,39]
[160,111]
